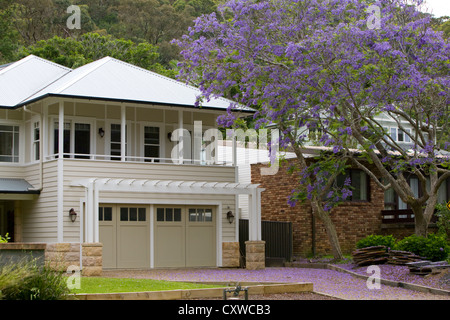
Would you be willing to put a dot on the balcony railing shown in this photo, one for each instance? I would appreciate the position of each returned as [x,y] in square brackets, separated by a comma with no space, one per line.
[136,159]
[400,216]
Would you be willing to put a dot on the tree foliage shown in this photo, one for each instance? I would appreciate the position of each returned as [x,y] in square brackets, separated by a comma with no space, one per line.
[40,27]
[89,47]
[327,65]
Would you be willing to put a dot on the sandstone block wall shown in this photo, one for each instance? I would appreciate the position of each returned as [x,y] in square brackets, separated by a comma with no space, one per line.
[60,256]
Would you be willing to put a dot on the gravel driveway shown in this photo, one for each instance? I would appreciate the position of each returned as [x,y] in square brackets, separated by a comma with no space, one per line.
[334,283]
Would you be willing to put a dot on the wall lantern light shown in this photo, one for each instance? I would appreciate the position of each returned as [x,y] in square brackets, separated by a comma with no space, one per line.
[101,132]
[230,217]
[72,215]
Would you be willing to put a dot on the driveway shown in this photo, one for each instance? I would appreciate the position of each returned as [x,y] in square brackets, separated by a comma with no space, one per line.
[338,284]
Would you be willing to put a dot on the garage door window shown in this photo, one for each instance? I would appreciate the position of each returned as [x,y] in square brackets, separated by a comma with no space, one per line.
[200,215]
[168,214]
[133,214]
[104,214]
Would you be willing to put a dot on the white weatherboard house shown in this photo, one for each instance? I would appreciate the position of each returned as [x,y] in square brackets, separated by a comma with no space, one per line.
[86,157]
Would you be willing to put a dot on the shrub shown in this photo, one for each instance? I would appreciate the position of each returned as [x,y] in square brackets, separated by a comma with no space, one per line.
[376,240]
[5,239]
[12,275]
[37,283]
[434,247]
[443,222]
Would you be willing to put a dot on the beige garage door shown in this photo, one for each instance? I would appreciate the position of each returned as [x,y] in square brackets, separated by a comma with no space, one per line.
[124,232]
[185,236]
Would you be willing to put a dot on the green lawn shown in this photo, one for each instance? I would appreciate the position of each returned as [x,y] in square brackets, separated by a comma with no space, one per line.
[112,285]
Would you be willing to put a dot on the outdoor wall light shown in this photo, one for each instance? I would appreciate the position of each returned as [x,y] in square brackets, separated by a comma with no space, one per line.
[72,215]
[101,132]
[230,217]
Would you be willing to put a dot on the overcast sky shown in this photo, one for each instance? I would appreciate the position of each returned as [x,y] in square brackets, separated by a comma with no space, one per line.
[438,7]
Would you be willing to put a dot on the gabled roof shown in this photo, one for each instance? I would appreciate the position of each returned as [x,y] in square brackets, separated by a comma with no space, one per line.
[23,78]
[114,80]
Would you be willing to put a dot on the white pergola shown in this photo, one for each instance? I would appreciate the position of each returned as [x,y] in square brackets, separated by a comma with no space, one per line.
[94,186]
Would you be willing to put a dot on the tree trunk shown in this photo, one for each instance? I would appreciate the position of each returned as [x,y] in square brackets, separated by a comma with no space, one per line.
[319,213]
[330,229]
[422,216]
[420,221]
[421,224]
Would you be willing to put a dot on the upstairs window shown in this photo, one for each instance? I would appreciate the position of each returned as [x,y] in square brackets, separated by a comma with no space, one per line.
[115,144]
[151,143]
[9,143]
[76,141]
[36,140]
[399,135]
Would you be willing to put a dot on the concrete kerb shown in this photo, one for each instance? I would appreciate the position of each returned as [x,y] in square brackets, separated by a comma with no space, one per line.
[266,288]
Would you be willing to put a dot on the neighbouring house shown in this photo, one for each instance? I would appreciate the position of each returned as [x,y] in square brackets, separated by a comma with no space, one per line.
[367,212]
[89,166]
[370,210]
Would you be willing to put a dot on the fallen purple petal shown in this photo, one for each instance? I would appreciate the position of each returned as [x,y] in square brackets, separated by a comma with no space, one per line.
[338,284]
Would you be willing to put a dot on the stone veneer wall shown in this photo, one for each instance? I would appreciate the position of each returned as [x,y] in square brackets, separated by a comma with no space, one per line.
[60,256]
[353,220]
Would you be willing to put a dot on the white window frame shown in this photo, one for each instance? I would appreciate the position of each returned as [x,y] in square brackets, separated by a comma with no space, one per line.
[162,134]
[398,131]
[21,150]
[35,154]
[107,128]
[73,121]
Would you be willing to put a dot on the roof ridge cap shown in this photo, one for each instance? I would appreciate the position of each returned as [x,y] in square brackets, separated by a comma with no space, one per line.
[30,57]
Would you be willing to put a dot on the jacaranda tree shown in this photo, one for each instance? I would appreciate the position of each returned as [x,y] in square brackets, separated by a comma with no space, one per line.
[334,65]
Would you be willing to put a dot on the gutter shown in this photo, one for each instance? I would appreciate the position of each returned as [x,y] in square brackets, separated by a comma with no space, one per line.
[120,100]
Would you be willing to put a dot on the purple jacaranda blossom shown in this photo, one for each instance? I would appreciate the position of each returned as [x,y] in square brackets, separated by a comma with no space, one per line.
[298,66]
[346,193]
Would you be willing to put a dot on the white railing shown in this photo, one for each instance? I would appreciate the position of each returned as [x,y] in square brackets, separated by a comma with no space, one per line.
[136,159]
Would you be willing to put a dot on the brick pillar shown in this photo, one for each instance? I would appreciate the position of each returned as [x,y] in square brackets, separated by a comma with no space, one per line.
[230,254]
[255,255]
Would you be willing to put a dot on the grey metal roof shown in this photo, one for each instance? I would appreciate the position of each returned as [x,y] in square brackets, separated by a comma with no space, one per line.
[16,186]
[112,79]
[23,78]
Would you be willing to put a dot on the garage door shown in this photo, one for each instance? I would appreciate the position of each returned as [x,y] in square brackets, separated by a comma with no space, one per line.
[124,233]
[185,236]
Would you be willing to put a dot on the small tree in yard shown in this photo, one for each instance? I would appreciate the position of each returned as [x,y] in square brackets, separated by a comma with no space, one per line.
[334,66]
